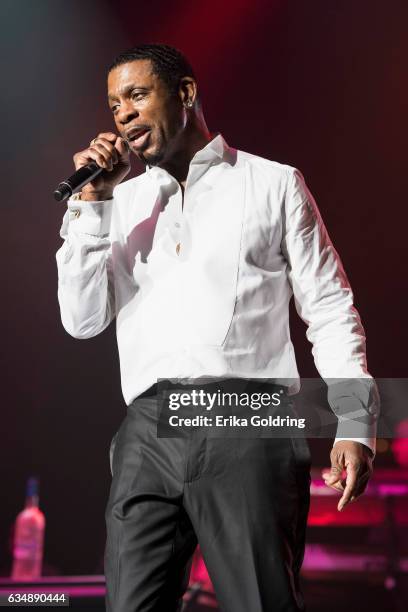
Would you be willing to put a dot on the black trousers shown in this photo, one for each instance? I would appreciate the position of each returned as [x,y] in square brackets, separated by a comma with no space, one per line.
[245,500]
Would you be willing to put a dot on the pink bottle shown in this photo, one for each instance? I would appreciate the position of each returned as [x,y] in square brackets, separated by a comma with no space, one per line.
[29,537]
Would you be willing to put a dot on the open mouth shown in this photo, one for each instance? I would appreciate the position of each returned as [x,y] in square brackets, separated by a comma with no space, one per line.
[138,138]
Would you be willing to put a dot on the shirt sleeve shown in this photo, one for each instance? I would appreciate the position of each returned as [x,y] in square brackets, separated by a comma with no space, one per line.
[85,280]
[324,300]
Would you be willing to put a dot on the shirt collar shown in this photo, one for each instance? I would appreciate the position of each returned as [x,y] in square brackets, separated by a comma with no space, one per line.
[214,151]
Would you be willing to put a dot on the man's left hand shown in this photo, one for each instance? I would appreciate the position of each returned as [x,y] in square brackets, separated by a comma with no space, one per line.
[356,460]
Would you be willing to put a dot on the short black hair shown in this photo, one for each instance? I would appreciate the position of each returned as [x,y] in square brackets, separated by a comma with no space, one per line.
[168,63]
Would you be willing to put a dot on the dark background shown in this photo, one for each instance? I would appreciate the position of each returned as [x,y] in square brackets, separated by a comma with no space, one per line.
[317,84]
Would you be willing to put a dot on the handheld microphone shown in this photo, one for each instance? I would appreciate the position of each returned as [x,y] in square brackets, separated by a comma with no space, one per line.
[74,183]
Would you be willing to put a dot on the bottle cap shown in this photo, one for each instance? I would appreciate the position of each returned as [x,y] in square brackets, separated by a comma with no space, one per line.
[32,487]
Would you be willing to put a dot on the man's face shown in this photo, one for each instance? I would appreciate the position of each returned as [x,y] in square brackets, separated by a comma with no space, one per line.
[146,113]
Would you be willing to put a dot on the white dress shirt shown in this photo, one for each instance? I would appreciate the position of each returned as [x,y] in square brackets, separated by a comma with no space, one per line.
[250,236]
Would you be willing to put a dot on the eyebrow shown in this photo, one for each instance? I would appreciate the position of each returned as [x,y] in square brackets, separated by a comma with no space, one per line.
[126,90]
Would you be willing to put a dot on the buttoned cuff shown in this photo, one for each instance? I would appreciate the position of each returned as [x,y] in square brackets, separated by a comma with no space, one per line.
[92,218]
[356,403]
[370,442]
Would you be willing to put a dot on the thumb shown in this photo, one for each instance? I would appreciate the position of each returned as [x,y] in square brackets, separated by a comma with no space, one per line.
[335,473]
[121,145]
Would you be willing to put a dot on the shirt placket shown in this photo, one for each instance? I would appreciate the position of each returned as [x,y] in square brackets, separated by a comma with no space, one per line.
[177,221]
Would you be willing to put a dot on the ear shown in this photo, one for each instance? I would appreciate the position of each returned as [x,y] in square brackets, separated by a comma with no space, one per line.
[188,91]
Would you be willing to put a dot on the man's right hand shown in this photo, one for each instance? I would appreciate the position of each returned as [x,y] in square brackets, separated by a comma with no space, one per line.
[111,152]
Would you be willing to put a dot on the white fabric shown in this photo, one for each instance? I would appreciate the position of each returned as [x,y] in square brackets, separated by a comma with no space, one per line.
[250,235]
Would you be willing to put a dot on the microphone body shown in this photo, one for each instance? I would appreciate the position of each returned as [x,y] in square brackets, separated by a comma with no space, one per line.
[74,183]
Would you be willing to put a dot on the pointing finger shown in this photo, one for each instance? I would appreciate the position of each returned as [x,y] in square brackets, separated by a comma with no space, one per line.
[351,481]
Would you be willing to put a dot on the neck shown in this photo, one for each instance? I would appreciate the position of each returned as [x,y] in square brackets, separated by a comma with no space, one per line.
[194,138]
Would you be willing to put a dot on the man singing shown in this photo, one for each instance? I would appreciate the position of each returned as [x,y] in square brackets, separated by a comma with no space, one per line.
[197,259]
